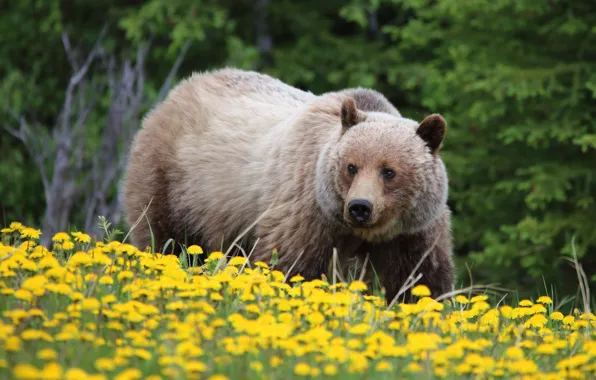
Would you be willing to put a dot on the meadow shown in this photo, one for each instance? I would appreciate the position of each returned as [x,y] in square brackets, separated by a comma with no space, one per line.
[82,309]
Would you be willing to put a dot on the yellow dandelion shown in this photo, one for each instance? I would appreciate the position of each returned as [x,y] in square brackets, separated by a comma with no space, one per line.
[30,233]
[546,349]
[421,291]
[214,256]
[297,278]
[52,371]
[479,298]
[537,320]
[47,354]
[275,361]
[81,237]
[514,353]
[545,300]
[360,329]
[26,371]
[218,377]
[194,250]
[61,237]
[568,320]
[256,366]
[129,374]
[383,366]
[195,366]
[262,264]
[237,260]
[357,286]
[413,367]
[106,280]
[525,303]
[302,369]
[67,245]
[461,299]
[24,295]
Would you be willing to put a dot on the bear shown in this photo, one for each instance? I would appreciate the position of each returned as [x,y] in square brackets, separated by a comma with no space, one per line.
[235,153]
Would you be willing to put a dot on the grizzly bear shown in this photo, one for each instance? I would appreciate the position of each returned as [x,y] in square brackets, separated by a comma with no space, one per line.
[233,152]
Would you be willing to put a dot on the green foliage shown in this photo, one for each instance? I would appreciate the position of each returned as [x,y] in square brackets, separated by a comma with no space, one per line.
[516,81]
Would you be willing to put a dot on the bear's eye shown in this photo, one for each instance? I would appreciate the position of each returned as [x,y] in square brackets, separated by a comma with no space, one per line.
[352,169]
[387,173]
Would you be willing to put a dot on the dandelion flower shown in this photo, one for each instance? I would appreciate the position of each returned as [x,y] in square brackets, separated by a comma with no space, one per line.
[81,237]
[297,278]
[357,286]
[61,237]
[525,303]
[237,260]
[383,365]
[514,352]
[544,299]
[26,371]
[52,371]
[421,291]
[479,298]
[462,299]
[302,369]
[30,233]
[194,250]
[214,256]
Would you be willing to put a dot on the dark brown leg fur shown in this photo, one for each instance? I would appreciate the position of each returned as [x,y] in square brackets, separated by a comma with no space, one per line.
[394,261]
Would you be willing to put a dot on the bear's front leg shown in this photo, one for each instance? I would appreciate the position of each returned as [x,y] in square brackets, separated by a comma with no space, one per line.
[394,261]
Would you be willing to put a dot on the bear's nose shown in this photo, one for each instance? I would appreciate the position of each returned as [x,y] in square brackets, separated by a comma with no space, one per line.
[360,210]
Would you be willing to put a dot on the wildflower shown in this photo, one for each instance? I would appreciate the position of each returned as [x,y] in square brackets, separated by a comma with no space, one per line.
[275,361]
[568,320]
[537,320]
[26,371]
[413,367]
[360,329]
[357,286]
[23,294]
[302,369]
[546,349]
[525,303]
[383,365]
[514,353]
[461,299]
[214,256]
[61,237]
[256,366]
[68,245]
[218,377]
[297,278]
[329,370]
[421,291]
[125,275]
[81,237]
[90,304]
[479,298]
[30,233]
[237,260]
[195,366]
[545,300]
[194,250]
[52,371]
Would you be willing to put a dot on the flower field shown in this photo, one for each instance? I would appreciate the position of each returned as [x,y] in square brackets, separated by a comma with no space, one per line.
[105,310]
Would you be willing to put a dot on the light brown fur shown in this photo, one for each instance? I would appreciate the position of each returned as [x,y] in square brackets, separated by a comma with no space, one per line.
[227,146]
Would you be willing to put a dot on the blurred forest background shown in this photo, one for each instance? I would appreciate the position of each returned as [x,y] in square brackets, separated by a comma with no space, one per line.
[515,79]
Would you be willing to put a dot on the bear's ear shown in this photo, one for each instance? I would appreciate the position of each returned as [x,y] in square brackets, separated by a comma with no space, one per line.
[432,131]
[350,115]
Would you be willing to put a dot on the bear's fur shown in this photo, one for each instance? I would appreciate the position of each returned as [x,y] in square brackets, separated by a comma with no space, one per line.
[228,147]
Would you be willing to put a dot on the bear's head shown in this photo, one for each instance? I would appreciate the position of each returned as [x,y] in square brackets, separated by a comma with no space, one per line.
[387,175]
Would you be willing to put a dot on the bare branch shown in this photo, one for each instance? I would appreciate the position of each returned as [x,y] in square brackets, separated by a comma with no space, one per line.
[170,78]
